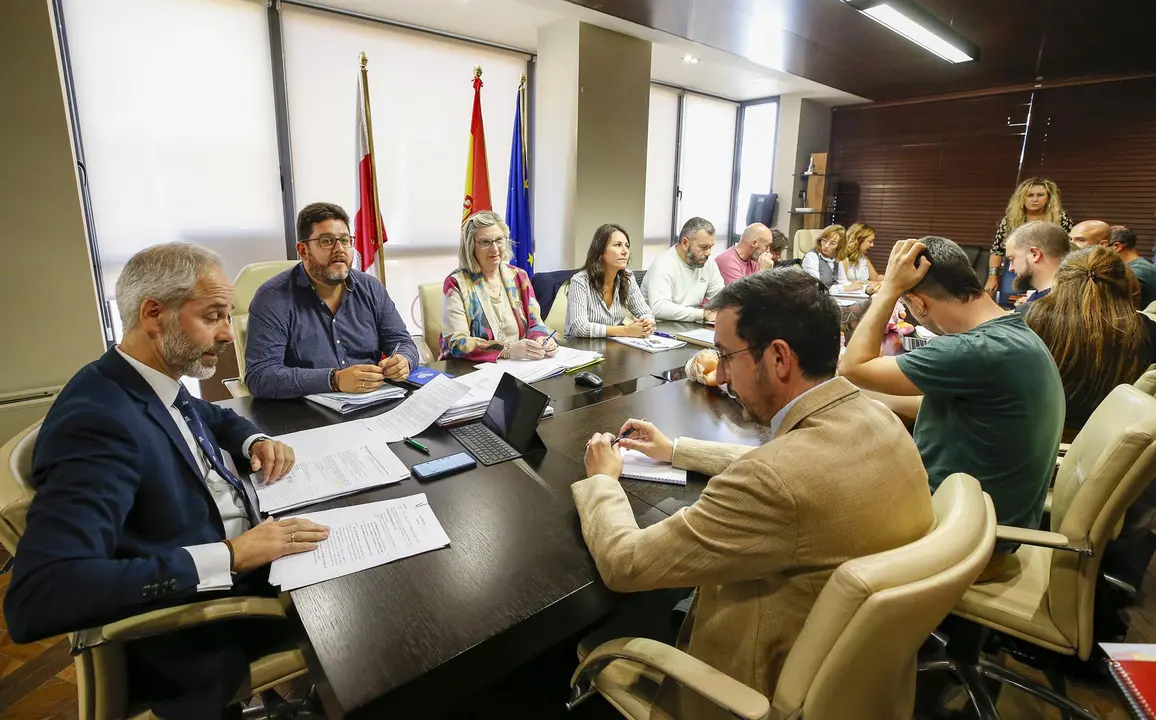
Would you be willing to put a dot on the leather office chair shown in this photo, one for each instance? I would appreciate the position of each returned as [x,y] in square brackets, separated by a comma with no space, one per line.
[556,320]
[805,240]
[856,654]
[430,295]
[1146,383]
[1047,596]
[99,653]
[245,287]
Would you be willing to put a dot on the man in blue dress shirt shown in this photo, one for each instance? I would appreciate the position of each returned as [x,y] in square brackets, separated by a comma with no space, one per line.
[323,326]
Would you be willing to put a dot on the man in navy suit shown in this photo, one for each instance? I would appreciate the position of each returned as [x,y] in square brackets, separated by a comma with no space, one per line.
[135,506]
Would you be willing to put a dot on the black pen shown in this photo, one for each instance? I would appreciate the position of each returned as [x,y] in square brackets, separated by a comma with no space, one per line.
[628,433]
[415,445]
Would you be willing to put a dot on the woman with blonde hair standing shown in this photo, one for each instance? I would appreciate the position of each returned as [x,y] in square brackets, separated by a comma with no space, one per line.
[1034,199]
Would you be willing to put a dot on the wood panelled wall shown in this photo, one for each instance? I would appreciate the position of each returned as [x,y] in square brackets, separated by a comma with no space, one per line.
[948,168]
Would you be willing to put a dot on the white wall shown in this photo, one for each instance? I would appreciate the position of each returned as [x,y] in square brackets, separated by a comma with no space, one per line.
[555,143]
[51,321]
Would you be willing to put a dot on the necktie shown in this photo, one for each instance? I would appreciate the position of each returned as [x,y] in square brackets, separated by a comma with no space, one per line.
[189,413]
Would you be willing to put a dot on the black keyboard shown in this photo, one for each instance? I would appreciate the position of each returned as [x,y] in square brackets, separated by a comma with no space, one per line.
[484,444]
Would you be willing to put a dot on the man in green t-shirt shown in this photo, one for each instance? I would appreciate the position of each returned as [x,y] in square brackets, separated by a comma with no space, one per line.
[1123,242]
[992,401]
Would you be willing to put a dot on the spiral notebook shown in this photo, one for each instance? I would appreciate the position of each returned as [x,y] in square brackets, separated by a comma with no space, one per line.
[637,466]
[1133,666]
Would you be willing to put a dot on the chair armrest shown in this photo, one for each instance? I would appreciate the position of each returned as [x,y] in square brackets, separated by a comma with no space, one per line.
[1064,448]
[721,689]
[1039,538]
[179,617]
[236,387]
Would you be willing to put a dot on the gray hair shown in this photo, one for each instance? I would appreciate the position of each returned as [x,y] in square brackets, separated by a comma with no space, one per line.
[470,228]
[166,273]
[691,227]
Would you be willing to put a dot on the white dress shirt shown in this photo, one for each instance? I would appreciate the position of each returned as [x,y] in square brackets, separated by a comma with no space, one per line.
[212,559]
[781,415]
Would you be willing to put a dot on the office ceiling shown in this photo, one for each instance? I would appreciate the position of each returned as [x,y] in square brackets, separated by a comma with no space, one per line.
[827,42]
[516,23]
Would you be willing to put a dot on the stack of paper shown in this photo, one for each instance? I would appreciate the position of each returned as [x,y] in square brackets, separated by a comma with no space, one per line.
[702,336]
[652,344]
[482,385]
[348,402]
[332,461]
[531,371]
[361,537]
[639,467]
[349,457]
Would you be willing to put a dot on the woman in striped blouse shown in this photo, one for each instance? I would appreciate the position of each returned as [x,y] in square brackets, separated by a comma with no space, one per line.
[603,291]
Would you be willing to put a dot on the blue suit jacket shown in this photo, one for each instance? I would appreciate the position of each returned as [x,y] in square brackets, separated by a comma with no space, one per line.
[118,494]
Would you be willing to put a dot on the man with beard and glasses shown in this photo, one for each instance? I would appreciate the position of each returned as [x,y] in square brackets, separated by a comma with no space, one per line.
[1036,250]
[839,479]
[136,507]
[986,395]
[680,281]
[323,326]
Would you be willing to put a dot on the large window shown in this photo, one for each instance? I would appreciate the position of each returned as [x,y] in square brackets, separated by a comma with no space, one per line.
[175,103]
[756,157]
[691,164]
[662,139]
[422,96]
[706,164]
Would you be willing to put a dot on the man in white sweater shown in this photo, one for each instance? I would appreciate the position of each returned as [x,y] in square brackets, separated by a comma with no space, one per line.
[680,281]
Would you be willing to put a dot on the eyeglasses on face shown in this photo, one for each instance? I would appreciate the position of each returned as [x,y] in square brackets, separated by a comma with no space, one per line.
[326,242]
[724,358]
[499,242]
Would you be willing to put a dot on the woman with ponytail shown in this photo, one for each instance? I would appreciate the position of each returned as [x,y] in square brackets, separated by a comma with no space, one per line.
[1093,330]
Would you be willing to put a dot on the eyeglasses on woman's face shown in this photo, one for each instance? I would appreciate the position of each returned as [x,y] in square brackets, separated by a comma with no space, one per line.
[487,245]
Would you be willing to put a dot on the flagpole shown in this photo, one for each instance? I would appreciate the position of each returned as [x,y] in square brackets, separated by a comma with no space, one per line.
[522,92]
[373,172]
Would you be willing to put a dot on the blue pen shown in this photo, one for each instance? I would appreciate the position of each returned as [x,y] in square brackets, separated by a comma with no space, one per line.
[665,335]
[549,337]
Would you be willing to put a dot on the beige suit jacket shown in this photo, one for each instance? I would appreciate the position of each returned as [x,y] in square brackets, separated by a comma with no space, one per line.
[840,479]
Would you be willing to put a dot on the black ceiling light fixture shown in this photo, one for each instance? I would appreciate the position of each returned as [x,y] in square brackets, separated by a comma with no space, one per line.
[920,27]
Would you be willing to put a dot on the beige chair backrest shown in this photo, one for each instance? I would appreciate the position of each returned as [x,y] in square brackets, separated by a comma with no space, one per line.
[245,287]
[1146,383]
[1111,461]
[15,486]
[430,295]
[556,320]
[804,240]
[856,654]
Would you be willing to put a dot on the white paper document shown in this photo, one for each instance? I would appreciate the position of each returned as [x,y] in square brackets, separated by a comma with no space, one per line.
[652,344]
[361,537]
[332,461]
[348,402]
[419,410]
[531,371]
[639,467]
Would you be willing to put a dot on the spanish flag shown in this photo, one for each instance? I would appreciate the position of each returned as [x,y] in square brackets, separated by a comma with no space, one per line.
[477,171]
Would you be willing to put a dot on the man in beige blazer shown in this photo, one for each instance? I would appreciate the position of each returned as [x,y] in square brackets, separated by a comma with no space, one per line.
[841,478]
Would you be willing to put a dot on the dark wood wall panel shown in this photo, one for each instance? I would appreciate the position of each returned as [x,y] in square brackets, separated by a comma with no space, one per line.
[928,169]
[947,168]
[1098,143]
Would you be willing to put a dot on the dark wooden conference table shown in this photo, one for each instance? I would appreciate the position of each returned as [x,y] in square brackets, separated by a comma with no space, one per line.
[415,637]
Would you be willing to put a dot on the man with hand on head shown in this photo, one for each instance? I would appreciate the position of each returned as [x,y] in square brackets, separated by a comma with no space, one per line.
[324,326]
[681,280]
[986,395]
[751,254]
[135,506]
[774,521]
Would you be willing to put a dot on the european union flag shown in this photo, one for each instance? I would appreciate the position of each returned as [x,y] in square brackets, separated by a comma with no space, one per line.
[518,193]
